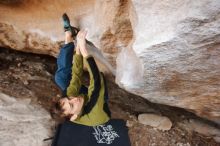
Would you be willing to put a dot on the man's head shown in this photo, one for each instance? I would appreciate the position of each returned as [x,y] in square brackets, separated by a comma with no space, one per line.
[70,107]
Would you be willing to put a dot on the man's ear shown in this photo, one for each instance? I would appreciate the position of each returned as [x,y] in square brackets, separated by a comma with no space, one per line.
[74,99]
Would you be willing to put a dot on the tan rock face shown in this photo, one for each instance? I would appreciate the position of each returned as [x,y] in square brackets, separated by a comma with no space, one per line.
[178,47]
[165,51]
[201,127]
[23,123]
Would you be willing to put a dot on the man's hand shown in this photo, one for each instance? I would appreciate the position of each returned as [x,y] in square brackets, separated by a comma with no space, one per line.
[81,42]
[77,49]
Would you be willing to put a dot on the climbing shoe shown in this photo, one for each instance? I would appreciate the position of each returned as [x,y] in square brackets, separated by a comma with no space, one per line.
[68,27]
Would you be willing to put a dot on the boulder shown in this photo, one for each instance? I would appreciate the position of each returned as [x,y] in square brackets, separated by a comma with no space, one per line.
[23,123]
[156,121]
[168,52]
[176,50]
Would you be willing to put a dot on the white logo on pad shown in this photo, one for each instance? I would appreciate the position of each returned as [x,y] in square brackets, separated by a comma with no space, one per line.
[105,134]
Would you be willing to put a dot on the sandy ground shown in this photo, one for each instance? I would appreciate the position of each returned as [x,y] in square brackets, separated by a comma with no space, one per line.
[31,76]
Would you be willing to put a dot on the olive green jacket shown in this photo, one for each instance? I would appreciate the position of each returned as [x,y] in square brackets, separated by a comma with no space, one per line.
[93,110]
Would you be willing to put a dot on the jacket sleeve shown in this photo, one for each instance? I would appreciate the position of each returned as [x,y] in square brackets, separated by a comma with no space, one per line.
[77,71]
[95,84]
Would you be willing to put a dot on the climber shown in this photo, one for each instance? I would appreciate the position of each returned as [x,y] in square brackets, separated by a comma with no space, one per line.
[85,108]
[76,105]
[64,71]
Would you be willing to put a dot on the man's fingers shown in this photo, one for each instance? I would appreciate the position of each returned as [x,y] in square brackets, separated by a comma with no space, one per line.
[81,40]
[82,34]
[85,33]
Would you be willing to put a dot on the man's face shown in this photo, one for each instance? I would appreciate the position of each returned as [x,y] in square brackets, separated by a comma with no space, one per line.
[71,106]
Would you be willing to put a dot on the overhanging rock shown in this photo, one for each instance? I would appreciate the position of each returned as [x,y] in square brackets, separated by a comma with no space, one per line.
[165,51]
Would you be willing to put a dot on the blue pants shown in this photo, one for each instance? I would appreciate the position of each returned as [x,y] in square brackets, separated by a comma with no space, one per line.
[64,68]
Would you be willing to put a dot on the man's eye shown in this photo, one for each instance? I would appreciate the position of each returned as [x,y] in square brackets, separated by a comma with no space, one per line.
[71,105]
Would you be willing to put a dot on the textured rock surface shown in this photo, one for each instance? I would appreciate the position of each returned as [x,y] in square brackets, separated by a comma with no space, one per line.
[202,128]
[165,51]
[23,123]
[178,45]
[124,105]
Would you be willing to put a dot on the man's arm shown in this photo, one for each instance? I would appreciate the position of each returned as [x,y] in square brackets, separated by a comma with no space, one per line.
[77,71]
[95,78]
[95,84]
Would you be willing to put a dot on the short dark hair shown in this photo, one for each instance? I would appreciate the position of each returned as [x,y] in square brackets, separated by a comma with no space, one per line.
[58,109]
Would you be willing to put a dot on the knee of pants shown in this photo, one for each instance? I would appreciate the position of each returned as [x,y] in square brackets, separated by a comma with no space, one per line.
[60,83]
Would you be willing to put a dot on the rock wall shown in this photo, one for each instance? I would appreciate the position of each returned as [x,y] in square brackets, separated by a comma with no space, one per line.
[165,51]
[178,45]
